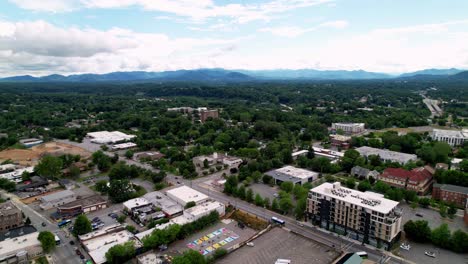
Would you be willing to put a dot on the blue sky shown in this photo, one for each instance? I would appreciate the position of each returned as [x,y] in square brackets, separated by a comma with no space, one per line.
[98,36]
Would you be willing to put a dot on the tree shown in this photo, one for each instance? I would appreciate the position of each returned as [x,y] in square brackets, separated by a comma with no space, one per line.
[464,165]
[395,194]
[120,190]
[418,230]
[364,186]
[321,164]
[49,167]
[286,204]
[121,253]
[275,205]
[256,176]
[267,179]
[249,197]
[25,176]
[350,183]
[452,210]
[47,240]
[230,184]
[102,161]
[441,236]
[381,187]
[129,154]
[410,196]
[459,242]
[101,186]
[258,200]
[219,253]
[266,202]
[190,204]
[7,185]
[189,257]
[82,225]
[349,159]
[287,186]
[424,202]
[442,209]
[300,208]
[241,192]
[74,171]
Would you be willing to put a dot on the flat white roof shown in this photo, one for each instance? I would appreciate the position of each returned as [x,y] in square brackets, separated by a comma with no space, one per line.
[98,247]
[349,124]
[387,154]
[369,200]
[10,246]
[450,133]
[203,208]
[57,195]
[107,137]
[137,202]
[187,194]
[124,145]
[296,172]
[300,152]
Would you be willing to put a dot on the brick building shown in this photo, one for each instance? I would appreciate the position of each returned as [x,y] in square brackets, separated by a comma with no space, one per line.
[10,216]
[450,193]
[419,179]
[204,114]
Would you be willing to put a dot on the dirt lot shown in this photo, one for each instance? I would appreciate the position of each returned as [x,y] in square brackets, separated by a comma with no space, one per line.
[30,157]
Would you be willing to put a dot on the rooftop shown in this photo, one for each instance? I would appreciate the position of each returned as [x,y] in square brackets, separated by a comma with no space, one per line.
[8,208]
[56,195]
[290,172]
[137,202]
[106,136]
[187,194]
[91,200]
[203,208]
[368,200]
[451,188]
[17,232]
[451,133]
[349,124]
[161,200]
[16,244]
[387,154]
[300,152]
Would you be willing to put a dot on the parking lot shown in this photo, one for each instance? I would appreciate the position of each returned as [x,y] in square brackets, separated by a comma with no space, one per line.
[279,243]
[266,191]
[432,216]
[416,254]
[221,235]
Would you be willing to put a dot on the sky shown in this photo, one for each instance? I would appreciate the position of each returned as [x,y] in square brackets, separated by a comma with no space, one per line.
[40,37]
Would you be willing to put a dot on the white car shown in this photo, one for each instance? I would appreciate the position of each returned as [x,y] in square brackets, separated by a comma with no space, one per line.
[250,244]
[430,254]
[405,246]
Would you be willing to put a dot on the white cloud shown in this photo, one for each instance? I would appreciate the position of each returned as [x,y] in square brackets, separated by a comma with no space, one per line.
[293,31]
[48,5]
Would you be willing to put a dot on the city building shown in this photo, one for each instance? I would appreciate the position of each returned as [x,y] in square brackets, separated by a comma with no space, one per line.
[97,243]
[81,206]
[21,249]
[299,153]
[186,109]
[149,155]
[419,179]
[364,216]
[136,203]
[10,216]
[168,206]
[293,174]
[184,194]
[450,194]
[216,159]
[14,173]
[361,172]
[387,155]
[332,155]
[31,142]
[451,137]
[122,146]
[106,137]
[57,198]
[205,114]
[340,141]
[17,232]
[349,128]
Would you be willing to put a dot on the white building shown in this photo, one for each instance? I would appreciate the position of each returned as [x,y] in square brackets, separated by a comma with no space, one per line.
[121,146]
[328,153]
[293,174]
[349,128]
[217,158]
[106,137]
[170,207]
[20,249]
[57,198]
[97,243]
[184,194]
[296,154]
[451,137]
[387,155]
[135,204]
[16,174]
[364,216]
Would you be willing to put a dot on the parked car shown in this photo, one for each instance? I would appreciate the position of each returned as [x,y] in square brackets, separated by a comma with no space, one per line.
[420,215]
[405,246]
[44,224]
[250,244]
[430,254]
[96,219]
[72,242]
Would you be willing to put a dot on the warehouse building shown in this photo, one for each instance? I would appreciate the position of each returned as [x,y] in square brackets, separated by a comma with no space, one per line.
[82,206]
[349,128]
[387,155]
[293,174]
[106,137]
[56,199]
[184,194]
[364,216]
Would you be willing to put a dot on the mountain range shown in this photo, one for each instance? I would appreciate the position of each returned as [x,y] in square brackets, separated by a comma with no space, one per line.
[222,75]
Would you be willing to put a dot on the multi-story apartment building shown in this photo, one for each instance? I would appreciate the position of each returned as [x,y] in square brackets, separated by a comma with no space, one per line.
[204,114]
[450,194]
[451,137]
[349,128]
[419,179]
[364,216]
[10,216]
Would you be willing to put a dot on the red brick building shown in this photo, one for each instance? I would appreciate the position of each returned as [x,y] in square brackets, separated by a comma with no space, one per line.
[419,179]
[450,194]
[204,114]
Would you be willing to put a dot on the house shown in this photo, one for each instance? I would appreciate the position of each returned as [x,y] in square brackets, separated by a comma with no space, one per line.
[35,183]
[293,174]
[419,179]
[361,172]
[450,194]
[441,166]
[57,198]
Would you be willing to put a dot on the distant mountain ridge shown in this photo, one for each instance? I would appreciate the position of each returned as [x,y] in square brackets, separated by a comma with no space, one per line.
[222,75]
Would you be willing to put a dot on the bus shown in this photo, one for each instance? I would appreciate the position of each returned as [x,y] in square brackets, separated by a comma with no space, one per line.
[57,240]
[277,220]
[64,223]
[362,254]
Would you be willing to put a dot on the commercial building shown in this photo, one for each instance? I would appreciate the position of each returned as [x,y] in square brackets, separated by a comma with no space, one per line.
[56,199]
[184,194]
[31,142]
[293,174]
[168,206]
[361,172]
[106,137]
[340,141]
[332,155]
[21,249]
[387,155]
[364,216]
[451,137]
[82,206]
[450,194]
[15,174]
[10,216]
[97,243]
[135,203]
[122,146]
[419,179]
[186,109]
[349,128]
[205,114]
[216,159]
[149,155]
[299,153]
